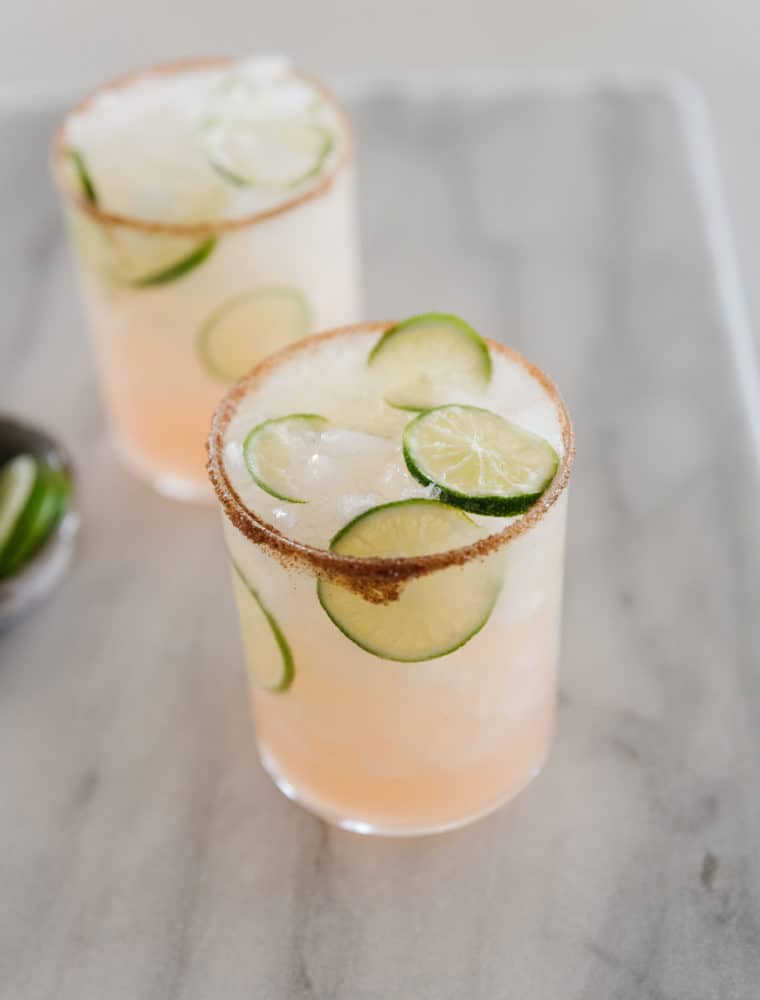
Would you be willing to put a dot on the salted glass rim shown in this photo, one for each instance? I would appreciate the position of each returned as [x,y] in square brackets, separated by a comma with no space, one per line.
[204,226]
[379,577]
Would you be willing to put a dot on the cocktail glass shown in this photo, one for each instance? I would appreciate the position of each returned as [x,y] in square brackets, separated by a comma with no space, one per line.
[424,739]
[178,309]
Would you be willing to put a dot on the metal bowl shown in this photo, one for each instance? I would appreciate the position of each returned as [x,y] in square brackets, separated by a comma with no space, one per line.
[46,568]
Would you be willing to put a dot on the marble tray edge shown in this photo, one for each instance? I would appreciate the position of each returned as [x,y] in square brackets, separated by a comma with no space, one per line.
[49,94]
[692,109]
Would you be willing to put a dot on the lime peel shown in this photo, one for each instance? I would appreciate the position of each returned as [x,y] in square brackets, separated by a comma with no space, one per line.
[250,326]
[178,269]
[282,674]
[427,358]
[33,498]
[480,461]
[267,437]
[84,178]
[432,616]
[233,147]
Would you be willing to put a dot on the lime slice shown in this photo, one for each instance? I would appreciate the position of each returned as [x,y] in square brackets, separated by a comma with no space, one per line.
[250,327]
[45,493]
[267,653]
[273,153]
[83,176]
[428,360]
[435,614]
[479,460]
[275,452]
[18,479]
[140,259]
[133,258]
[40,518]
[177,268]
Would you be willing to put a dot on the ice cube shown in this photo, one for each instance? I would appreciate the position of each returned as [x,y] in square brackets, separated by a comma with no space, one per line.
[263,69]
[350,505]
[282,519]
[288,99]
[233,455]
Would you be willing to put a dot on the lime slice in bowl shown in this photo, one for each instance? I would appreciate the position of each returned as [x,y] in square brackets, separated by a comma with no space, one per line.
[41,517]
[32,499]
[275,452]
[248,328]
[18,480]
[429,360]
[267,651]
[435,614]
[271,153]
[479,460]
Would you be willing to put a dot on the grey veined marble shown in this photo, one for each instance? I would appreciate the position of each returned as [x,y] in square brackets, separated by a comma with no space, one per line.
[144,854]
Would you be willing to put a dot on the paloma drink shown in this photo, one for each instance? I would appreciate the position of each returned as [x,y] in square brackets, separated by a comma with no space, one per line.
[394,503]
[211,206]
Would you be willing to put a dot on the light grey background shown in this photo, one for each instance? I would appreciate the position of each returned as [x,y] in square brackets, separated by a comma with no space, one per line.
[61,43]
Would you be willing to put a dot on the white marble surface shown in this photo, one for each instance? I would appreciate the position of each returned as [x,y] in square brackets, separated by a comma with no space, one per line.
[143,853]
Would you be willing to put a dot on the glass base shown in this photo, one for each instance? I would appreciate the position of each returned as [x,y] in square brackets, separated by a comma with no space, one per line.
[371,828]
[167,484]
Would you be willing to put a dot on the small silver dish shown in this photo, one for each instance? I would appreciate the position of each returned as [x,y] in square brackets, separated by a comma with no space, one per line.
[46,568]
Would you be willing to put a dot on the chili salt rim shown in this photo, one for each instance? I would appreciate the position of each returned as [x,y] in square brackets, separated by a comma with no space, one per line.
[204,227]
[376,578]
